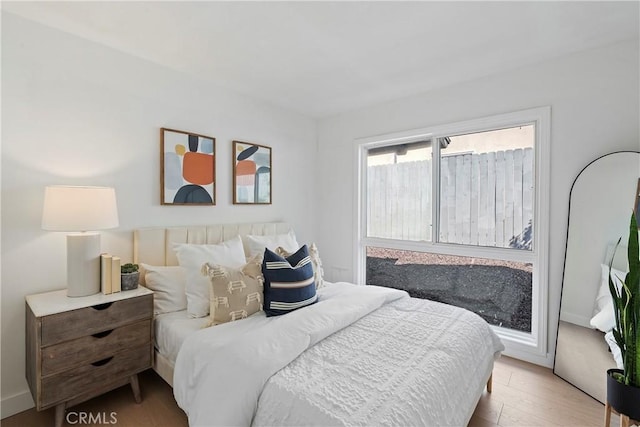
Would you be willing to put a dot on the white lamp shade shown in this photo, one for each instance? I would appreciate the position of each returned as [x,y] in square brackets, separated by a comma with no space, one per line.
[69,208]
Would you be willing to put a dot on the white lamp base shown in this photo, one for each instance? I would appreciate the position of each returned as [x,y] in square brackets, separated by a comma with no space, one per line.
[83,264]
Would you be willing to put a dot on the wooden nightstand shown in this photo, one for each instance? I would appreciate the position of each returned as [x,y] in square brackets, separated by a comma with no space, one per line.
[79,348]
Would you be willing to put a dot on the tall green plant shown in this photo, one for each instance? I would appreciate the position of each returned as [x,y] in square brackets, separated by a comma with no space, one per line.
[626,304]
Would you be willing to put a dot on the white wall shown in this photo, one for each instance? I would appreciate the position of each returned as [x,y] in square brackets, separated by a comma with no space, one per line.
[594,99]
[74,112]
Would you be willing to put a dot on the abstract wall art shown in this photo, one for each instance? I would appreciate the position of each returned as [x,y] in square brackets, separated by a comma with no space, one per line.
[251,173]
[188,172]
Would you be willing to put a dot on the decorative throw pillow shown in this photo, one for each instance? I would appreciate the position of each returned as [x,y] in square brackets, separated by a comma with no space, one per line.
[288,282]
[234,293]
[318,272]
[168,285]
[229,253]
[255,245]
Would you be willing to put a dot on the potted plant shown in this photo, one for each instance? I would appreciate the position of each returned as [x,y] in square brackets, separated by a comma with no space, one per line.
[623,385]
[130,275]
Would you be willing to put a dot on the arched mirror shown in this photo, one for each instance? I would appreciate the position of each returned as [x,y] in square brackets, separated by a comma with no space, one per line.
[601,201]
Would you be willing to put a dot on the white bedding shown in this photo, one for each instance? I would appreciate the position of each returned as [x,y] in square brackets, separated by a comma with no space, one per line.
[171,329]
[388,359]
[410,363]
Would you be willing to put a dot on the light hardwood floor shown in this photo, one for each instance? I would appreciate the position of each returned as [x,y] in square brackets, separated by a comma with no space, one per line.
[523,395]
[530,395]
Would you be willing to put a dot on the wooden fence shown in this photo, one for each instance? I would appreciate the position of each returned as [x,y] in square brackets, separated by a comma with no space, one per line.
[487,199]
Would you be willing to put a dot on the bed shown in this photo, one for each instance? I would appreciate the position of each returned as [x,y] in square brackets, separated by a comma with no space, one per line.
[361,355]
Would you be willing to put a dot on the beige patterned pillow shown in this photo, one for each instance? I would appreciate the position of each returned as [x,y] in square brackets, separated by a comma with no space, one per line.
[234,293]
[318,272]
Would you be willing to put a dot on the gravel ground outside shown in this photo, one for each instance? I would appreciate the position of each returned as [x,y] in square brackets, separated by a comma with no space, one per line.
[498,291]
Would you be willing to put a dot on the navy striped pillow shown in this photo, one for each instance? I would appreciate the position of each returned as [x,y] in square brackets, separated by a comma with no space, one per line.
[288,282]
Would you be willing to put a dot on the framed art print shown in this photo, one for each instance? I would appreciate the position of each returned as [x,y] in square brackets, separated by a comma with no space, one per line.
[251,173]
[188,168]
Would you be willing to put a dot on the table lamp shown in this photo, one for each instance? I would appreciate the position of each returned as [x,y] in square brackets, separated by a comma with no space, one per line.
[82,210]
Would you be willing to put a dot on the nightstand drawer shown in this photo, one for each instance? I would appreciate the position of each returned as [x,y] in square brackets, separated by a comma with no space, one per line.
[81,380]
[87,321]
[58,357]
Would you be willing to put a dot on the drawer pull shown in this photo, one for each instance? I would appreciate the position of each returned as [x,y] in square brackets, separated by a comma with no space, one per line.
[102,334]
[102,306]
[102,362]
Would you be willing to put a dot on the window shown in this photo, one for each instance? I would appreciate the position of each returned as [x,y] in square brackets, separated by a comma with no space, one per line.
[455,214]
[398,191]
[486,188]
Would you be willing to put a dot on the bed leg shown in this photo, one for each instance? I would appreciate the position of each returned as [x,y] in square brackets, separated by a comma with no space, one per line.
[490,383]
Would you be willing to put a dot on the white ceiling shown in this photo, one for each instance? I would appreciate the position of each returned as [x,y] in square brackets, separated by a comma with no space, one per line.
[322,58]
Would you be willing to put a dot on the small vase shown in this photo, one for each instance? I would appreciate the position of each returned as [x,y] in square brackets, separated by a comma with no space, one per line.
[129,280]
[625,399]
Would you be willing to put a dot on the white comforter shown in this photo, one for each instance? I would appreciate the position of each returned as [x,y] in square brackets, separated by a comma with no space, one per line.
[389,359]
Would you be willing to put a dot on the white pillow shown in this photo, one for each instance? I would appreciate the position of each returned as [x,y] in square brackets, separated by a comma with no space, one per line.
[615,349]
[604,315]
[255,245]
[168,285]
[229,253]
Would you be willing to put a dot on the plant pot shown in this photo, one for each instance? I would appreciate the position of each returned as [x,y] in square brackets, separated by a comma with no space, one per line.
[623,398]
[129,280]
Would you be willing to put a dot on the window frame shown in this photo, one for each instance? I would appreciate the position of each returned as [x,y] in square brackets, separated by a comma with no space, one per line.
[528,346]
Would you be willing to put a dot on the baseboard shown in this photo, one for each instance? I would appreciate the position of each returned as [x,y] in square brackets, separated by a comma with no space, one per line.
[545,361]
[15,404]
[576,319]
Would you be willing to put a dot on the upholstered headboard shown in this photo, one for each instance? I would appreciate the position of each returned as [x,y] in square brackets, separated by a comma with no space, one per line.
[154,245]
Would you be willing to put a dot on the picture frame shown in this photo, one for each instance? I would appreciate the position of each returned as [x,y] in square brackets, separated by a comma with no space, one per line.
[252,170]
[188,168]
